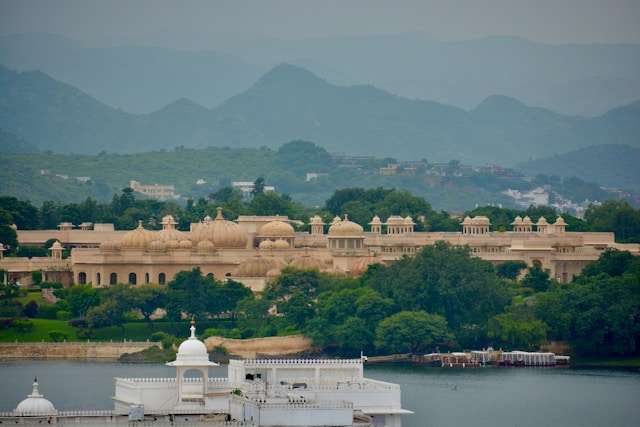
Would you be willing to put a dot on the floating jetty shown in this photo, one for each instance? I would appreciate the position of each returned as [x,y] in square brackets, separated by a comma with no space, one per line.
[478,359]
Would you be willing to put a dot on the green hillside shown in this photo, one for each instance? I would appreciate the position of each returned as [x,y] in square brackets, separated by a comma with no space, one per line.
[59,177]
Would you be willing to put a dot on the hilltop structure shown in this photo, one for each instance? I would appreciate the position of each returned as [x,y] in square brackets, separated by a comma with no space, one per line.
[259,392]
[254,249]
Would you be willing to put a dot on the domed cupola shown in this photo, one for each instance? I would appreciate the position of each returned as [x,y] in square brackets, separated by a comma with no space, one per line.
[35,404]
[169,231]
[346,228]
[192,355]
[192,352]
[278,231]
[138,238]
[346,236]
[258,266]
[222,233]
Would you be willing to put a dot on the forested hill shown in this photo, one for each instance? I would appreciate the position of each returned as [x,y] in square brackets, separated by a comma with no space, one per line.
[291,103]
[611,165]
[199,172]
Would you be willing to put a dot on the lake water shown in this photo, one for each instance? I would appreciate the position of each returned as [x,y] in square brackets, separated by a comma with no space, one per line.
[440,398]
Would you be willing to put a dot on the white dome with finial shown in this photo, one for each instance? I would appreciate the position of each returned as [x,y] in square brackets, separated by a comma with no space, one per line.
[192,352]
[35,404]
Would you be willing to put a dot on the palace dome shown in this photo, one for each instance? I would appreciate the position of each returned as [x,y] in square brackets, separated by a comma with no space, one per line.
[395,220]
[258,266]
[192,352]
[277,229]
[346,228]
[307,262]
[171,234]
[172,244]
[35,403]
[527,221]
[542,221]
[281,244]
[138,238]
[266,244]
[205,246]
[481,219]
[157,246]
[517,220]
[223,233]
[560,221]
[408,221]
[375,221]
[186,244]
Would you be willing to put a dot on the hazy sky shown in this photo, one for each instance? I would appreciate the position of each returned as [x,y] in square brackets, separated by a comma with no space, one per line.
[209,24]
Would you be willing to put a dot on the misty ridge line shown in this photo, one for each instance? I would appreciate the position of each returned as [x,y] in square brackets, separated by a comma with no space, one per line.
[574,79]
[288,103]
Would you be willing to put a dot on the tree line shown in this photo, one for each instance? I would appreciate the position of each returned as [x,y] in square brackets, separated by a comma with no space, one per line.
[442,298]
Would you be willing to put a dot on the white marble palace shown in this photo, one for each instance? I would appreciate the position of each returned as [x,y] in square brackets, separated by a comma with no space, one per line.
[260,392]
[253,249]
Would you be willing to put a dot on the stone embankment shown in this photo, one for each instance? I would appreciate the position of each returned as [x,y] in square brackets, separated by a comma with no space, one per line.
[72,350]
[268,346]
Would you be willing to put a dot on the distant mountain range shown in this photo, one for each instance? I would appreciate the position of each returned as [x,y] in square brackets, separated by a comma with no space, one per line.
[137,79]
[575,79]
[611,165]
[289,103]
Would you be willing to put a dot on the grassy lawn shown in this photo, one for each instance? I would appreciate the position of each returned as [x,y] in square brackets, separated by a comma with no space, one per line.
[41,329]
[612,362]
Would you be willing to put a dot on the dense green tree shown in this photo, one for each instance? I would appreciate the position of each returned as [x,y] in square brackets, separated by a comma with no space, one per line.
[510,269]
[616,216]
[8,238]
[298,309]
[109,313]
[253,316]
[537,279]
[147,299]
[613,262]
[258,186]
[445,280]
[353,336]
[36,277]
[190,293]
[598,314]
[517,331]
[412,332]
[301,157]
[226,296]
[80,298]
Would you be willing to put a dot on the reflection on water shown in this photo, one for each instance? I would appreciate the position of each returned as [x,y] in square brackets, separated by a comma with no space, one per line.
[439,397]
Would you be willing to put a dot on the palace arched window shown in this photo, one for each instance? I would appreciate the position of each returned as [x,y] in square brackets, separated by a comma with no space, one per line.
[113,279]
[146,278]
[82,278]
[98,279]
[133,278]
[162,278]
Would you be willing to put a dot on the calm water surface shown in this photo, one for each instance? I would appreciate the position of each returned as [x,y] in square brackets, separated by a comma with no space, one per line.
[439,398]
